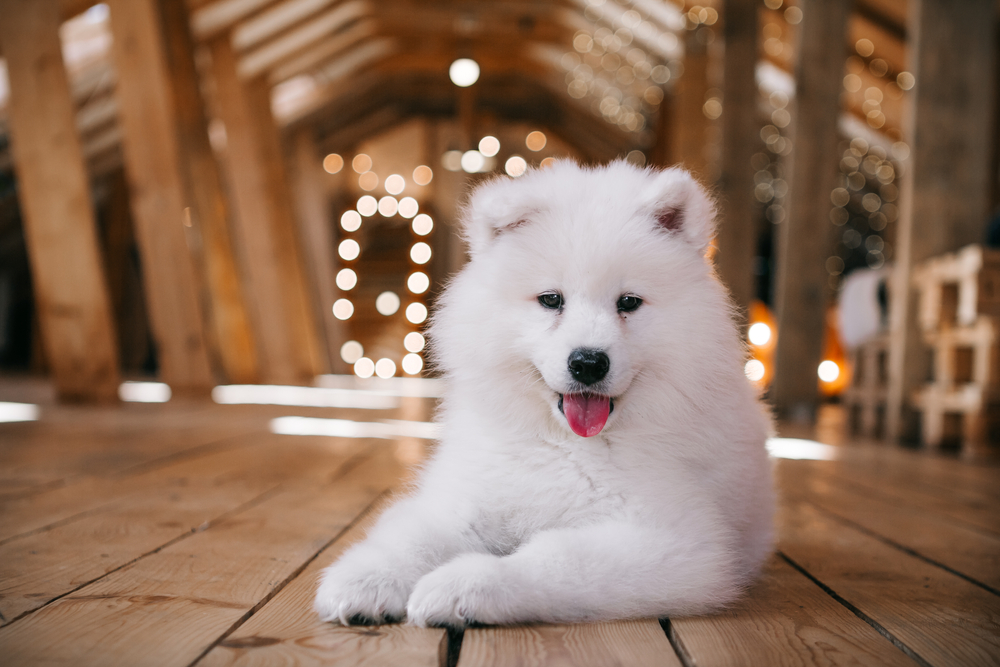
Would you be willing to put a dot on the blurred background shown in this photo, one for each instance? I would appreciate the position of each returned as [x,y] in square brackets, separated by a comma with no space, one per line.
[196,194]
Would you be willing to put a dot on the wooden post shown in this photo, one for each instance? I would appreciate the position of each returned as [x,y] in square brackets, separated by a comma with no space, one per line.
[70,290]
[690,131]
[944,202]
[152,165]
[229,321]
[254,164]
[805,240]
[313,208]
[736,238]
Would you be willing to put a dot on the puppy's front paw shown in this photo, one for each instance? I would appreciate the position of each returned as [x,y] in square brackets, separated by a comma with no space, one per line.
[469,589]
[360,596]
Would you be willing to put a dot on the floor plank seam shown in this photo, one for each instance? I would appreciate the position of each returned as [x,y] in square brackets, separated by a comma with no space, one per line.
[291,577]
[863,489]
[211,447]
[43,487]
[878,627]
[451,647]
[183,536]
[60,522]
[905,549]
[675,641]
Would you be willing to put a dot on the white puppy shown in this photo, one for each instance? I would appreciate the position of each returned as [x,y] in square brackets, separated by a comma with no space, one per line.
[602,453]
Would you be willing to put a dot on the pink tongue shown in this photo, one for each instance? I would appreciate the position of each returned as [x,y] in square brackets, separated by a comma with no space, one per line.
[586,413]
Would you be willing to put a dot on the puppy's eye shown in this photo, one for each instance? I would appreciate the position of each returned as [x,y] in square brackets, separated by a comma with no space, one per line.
[551,300]
[628,302]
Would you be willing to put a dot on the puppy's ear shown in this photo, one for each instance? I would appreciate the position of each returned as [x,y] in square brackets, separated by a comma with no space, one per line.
[496,207]
[680,206]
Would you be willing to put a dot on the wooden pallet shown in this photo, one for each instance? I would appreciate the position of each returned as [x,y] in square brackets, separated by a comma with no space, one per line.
[959,316]
[865,398]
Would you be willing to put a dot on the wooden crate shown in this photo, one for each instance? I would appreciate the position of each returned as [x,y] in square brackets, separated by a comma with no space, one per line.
[959,316]
[865,398]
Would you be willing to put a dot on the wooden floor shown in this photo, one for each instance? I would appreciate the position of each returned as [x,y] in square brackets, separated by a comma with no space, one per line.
[188,534]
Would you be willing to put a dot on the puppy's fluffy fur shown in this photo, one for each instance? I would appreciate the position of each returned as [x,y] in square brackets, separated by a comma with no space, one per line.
[668,510]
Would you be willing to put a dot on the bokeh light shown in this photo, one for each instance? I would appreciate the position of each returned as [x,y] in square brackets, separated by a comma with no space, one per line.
[351,351]
[387,303]
[333,163]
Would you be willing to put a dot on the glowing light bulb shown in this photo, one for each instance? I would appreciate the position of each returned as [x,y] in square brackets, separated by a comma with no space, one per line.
[364,367]
[422,175]
[387,303]
[349,249]
[343,309]
[515,166]
[420,253]
[388,206]
[828,371]
[464,72]
[333,163]
[422,224]
[367,206]
[385,368]
[412,364]
[351,351]
[346,279]
[535,141]
[414,342]
[759,333]
[489,146]
[416,313]
[395,184]
[754,370]
[408,207]
[350,221]
[418,282]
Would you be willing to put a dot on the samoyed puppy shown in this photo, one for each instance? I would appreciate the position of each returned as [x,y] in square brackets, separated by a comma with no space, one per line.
[602,454]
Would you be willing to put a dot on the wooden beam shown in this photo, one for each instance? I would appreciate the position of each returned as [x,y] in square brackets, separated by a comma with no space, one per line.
[691,128]
[944,201]
[70,289]
[262,208]
[153,169]
[295,41]
[229,322]
[805,239]
[217,17]
[316,225]
[737,238]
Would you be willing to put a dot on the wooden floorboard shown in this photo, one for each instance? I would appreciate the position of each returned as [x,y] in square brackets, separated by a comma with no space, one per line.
[188,534]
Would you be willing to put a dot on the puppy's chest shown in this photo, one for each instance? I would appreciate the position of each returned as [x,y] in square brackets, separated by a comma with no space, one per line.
[542,495]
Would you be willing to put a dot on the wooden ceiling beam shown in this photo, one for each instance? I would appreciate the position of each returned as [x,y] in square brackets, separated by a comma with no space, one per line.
[301,37]
[322,53]
[216,17]
[274,20]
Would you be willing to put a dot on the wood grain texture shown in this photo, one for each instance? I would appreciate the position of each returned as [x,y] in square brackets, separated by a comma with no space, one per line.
[943,618]
[972,552]
[286,631]
[72,302]
[166,505]
[169,607]
[624,643]
[785,619]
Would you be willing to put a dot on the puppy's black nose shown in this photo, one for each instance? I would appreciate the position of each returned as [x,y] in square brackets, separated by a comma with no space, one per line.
[588,366]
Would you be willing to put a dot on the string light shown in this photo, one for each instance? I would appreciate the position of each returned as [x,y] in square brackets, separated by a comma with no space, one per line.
[420,253]
[333,163]
[346,279]
[422,224]
[350,221]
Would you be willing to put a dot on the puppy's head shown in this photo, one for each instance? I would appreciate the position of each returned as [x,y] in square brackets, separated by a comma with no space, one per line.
[584,286]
